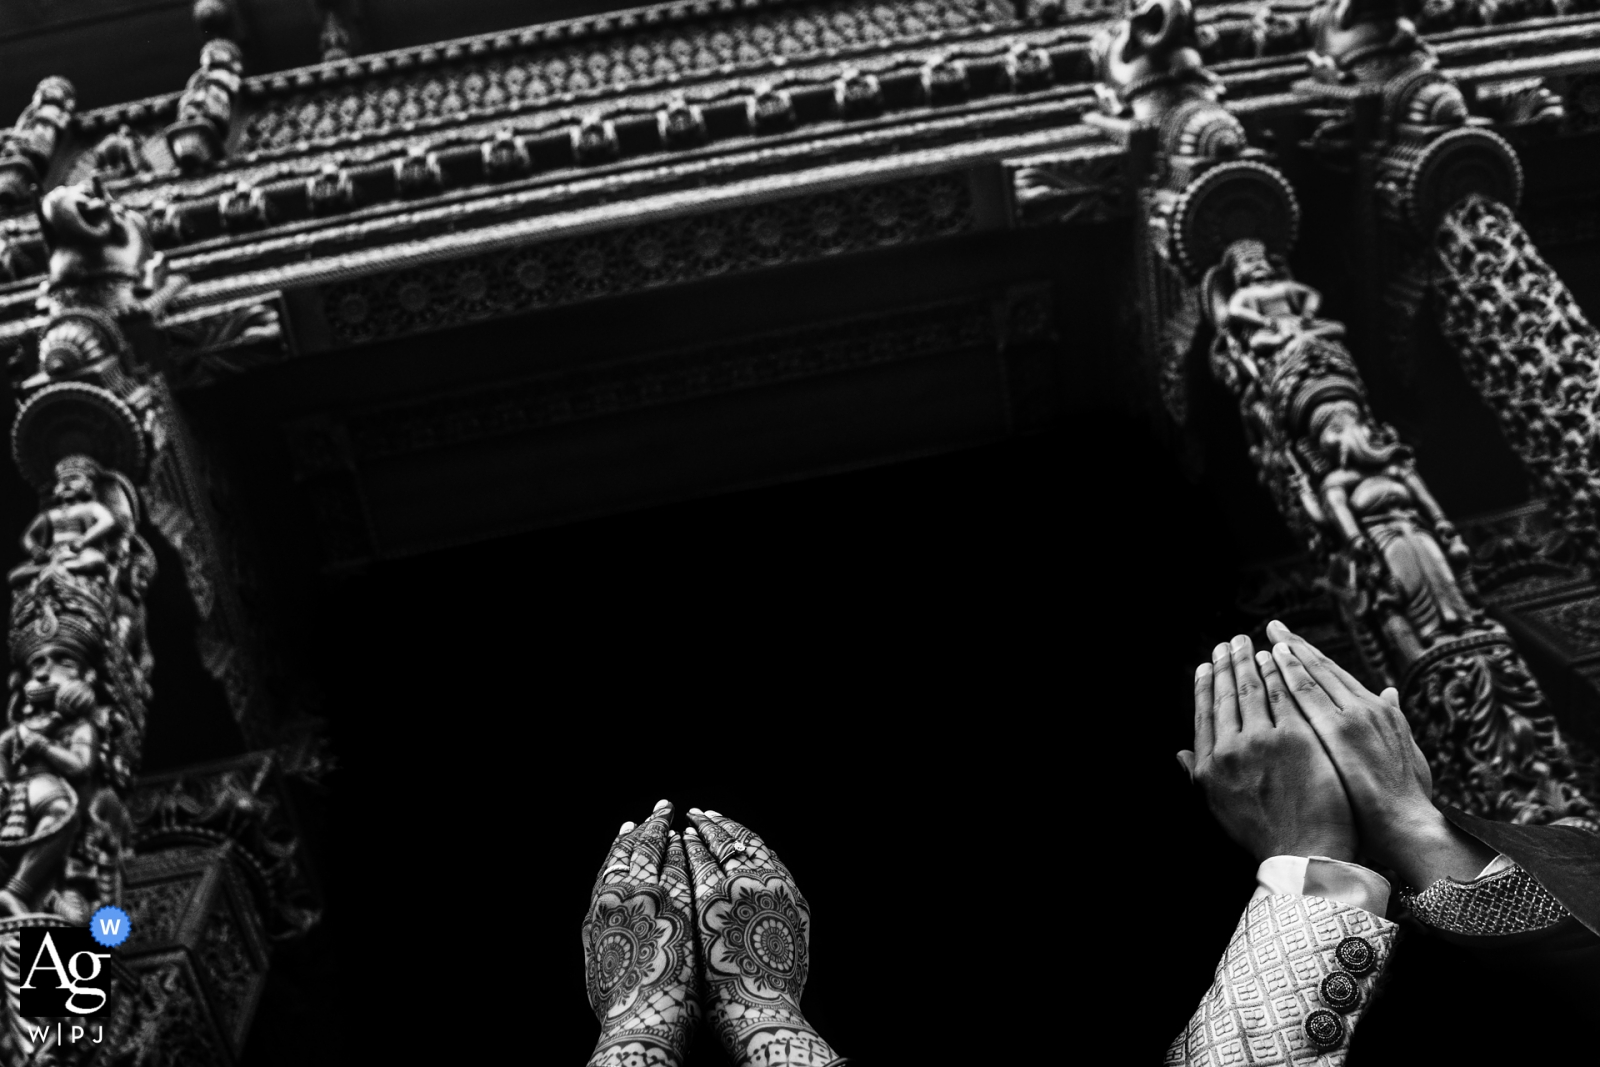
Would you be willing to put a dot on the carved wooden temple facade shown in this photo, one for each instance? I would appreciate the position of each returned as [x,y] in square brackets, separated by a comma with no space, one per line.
[652,253]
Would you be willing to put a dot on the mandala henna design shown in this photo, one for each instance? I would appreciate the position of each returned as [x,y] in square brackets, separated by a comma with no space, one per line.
[640,961]
[631,942]
[755,931]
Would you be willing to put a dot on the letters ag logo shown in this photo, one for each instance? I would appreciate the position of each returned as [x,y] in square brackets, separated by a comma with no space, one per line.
[63,973]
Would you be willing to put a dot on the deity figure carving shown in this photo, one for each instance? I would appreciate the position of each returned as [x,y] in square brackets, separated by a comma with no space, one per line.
[205,110]
[90,530]
[1268,306]
[61,754]
[1383,514]
[46,758]
[91,534]
[70,534]
[27,148]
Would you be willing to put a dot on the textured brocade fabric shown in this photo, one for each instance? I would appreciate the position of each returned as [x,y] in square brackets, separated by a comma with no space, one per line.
[1267,985]
[1501,901]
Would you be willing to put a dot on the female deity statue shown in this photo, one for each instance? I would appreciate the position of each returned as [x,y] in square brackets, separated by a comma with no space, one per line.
[1386,517]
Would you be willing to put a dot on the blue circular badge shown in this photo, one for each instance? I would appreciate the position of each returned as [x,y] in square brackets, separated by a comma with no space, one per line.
[110,926]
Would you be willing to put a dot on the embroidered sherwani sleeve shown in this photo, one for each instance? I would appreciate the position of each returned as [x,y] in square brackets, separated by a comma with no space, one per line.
[1292,986]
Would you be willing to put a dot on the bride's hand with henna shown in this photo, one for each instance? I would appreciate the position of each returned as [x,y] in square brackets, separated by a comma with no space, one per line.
[755,931]
[639,949]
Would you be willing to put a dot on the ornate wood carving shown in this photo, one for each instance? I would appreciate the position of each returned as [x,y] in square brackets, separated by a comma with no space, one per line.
[96,432]
[1395,565]
[27,149]
[85,432]
[1531,353]
[664,253]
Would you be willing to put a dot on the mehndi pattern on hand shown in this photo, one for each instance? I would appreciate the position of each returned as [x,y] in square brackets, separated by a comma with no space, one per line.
[755,930]
[640,960]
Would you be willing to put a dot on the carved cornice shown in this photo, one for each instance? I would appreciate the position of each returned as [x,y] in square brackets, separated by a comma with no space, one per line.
[909,89]
[477,182]
[665,252]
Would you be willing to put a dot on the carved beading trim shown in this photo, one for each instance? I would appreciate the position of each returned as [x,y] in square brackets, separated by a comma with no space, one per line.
[503,74]
[661,253]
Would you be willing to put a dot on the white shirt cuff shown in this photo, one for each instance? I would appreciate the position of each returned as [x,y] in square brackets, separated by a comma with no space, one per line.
[1319,876]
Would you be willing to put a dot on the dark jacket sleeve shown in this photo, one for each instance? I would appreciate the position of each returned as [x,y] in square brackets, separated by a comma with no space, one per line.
[1563,859]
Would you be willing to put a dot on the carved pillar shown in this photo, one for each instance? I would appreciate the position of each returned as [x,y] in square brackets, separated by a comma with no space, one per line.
[1439,191]
[1215,212]
[28,147]
[205,110]
[1400,574]
[94,432]
[80,676]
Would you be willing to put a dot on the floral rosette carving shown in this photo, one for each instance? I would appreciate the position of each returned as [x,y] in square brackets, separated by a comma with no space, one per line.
[632,941]
[757,932]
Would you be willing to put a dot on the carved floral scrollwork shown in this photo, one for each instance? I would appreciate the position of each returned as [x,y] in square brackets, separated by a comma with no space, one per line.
[239,803]
[1531,353]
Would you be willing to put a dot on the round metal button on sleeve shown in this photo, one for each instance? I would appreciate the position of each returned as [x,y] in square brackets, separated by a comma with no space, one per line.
[1356,955]
[1325,1029]
[1340,992]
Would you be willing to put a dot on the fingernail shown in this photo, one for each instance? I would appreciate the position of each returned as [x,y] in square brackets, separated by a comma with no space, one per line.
[1201,671]
[1219,652]
[1263,658]
[714,814]
[1281,649]
[1239,642]
[662,804]
[626,827]
[696,811]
